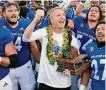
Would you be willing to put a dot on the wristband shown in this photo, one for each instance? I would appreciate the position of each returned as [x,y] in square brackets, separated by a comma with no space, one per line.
[82,87]
[0,59]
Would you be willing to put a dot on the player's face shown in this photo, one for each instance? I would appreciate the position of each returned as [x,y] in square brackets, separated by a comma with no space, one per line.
[34,4]
[94,14]
[11,14]
[58,18]
[100,33]
[103,8]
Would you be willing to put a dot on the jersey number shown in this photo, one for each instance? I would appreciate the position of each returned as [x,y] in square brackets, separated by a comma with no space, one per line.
[18,44]
[94,63]
[79,42]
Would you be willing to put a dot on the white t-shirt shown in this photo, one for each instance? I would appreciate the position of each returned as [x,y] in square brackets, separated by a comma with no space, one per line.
[47,72]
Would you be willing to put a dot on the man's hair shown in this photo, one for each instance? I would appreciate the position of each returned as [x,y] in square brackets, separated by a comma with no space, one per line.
[51,11]
[100,22]
[102,2]
[100,12]
[22,3]
[7,5]
[53,5]
[99,44]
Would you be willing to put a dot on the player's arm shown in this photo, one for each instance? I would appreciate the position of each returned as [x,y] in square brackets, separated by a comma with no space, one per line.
[69,22]
[35,51]
[85,76]
[30,28]
[79,9]
[11,55]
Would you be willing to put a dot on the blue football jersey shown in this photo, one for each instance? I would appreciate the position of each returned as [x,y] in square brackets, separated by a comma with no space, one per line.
[5,38]
[31,14]
[23,50]
[70,13]
[98,66]
[83,33]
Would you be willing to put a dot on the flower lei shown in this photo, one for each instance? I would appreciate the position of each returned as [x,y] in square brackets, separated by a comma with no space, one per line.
[49,47]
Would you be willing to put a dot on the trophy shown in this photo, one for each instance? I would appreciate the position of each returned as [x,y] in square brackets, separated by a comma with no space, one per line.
[73,61]
[75,65]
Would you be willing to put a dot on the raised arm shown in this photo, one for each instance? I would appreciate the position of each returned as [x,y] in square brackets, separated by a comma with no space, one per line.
[79,9]
[30,28]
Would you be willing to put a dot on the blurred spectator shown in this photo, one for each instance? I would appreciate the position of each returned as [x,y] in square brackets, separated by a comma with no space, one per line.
[71,9]
[24,11]
[92,3]
[22,3]
[47,4]
[53,5]
[34,3]
[102,5]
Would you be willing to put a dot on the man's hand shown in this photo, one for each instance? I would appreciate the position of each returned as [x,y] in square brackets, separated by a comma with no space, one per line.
[66,72]
[39,16]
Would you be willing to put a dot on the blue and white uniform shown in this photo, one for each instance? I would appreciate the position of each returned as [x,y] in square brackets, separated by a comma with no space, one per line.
[98,66]
[5,38]
[83,33]
[24,66]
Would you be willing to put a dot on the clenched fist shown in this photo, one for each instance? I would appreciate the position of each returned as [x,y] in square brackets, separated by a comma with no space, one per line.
[39,16]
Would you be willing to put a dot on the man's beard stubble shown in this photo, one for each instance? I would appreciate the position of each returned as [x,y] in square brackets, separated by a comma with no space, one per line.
[10,22]
[92,20]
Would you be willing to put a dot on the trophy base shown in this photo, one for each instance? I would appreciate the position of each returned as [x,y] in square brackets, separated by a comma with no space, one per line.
[76,65]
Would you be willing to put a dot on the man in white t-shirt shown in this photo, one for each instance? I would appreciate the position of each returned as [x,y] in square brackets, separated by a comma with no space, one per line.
[54,40]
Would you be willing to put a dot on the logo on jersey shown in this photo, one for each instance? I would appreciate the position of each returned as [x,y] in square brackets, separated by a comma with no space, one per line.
[21,29]
[91,49]
[4,26]
[81,25]
[5,84]
[28,67]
